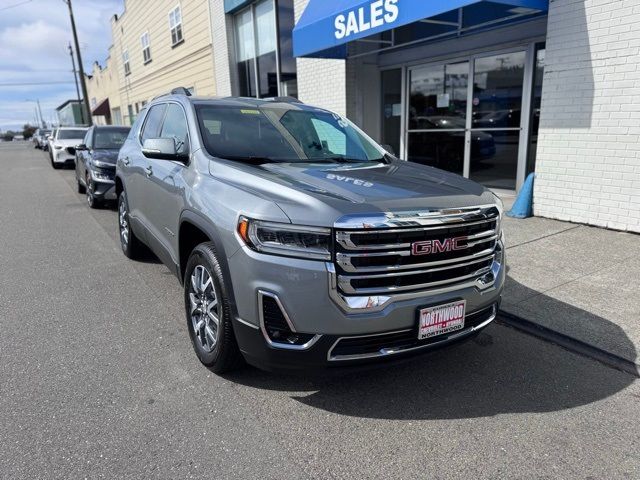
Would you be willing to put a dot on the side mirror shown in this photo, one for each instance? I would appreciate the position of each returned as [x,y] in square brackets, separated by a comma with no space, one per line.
[388,148]
[82,146]
[162,149]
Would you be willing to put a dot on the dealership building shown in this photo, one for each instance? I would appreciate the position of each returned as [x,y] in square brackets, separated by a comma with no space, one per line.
[492,90]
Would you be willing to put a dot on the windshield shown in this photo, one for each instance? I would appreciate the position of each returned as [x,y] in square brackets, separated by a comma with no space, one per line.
[110,138]
[71,134]
[282,133]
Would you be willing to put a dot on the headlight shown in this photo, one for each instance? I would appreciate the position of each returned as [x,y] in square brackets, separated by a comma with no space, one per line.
[98,175]
[286,239]
[58,147]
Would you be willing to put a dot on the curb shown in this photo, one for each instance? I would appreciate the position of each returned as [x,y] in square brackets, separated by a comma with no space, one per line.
[572,344]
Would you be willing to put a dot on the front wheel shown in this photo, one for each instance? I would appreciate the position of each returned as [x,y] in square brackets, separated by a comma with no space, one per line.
[131,245]
[209,313]
[92,201]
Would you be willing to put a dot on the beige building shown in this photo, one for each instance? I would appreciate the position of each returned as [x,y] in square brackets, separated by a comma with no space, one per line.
[157,45]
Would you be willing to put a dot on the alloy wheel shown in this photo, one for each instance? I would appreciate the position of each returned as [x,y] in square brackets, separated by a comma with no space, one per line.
[89,188]
[203,308]
[123,219]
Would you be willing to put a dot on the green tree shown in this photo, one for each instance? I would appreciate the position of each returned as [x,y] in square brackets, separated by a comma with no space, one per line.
[28,131]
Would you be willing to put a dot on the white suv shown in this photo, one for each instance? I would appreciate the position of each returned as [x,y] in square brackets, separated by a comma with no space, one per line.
[62,147]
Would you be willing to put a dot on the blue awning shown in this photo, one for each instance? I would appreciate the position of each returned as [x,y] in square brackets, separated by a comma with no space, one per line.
[326,26]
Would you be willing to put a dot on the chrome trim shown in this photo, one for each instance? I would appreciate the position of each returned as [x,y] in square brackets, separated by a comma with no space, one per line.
[244,322]
[344,239]
[271,343]
[344,281]
[343,259]
[415,218]
[362,304]
[385,352]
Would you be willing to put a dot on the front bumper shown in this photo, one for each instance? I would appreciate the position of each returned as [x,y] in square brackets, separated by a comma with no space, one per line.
[103,188]
[306,292]
[63,157]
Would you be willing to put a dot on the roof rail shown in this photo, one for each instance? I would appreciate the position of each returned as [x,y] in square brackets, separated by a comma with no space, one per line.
[180,91]
[283,99]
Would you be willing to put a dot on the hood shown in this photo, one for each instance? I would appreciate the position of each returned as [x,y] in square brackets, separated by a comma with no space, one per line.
[309,193]
[109,156]
[70,142]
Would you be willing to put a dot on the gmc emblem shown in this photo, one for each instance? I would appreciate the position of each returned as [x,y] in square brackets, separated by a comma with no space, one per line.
[428,247]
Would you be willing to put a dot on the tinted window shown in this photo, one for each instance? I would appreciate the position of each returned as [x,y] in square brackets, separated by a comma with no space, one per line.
[87,138]
[111,138]
[71,134]
[175,126]
[153,121]
[282,134]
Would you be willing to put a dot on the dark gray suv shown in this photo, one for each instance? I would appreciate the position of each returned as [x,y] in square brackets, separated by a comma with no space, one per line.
[300,242]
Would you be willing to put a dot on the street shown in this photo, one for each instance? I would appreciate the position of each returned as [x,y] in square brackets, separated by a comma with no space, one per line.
[98,379]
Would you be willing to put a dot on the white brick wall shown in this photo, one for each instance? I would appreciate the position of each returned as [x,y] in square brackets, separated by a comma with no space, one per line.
[321,82]
[588,162]
[222,43]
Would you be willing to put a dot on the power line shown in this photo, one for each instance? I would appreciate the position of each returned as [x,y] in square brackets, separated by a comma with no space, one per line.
[29,84]
[15,5]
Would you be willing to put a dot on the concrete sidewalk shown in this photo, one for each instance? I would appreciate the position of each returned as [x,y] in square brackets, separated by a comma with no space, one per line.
[579,281]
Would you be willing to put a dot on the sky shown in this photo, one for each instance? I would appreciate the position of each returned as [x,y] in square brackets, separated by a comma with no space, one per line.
[34,39]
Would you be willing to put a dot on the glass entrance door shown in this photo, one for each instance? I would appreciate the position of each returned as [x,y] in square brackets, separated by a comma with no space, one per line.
[496,111]
[468,127]
[437,115]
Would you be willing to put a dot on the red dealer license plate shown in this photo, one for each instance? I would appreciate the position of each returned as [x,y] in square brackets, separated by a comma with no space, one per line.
[441,319]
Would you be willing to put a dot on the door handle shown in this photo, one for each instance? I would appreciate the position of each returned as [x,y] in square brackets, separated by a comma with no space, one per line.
[149,171]
[126,161]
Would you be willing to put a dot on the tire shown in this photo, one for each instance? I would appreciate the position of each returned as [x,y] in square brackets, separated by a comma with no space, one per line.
[131,246]
[92,201]
[55,165]
[203,305]
[81,188]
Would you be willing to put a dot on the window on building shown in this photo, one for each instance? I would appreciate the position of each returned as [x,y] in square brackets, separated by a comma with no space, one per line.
[264,55]
[175,25]
[132,117]
[146,49]
[125,62]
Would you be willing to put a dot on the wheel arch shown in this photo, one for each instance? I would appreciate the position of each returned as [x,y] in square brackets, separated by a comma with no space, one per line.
[194,230]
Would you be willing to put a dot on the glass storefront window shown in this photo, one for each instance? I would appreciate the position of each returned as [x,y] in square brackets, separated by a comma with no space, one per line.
[258,49]
[392,108]
[438,96]
[497,90]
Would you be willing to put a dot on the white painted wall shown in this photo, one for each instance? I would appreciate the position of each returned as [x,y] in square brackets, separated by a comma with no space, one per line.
[588,163]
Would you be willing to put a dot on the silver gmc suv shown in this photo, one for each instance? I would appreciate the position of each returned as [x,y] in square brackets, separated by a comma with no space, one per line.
[300,242]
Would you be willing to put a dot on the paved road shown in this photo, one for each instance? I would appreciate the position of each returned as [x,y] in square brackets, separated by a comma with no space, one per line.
[98,379]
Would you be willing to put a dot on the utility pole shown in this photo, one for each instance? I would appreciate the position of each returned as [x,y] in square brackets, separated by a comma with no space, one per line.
[40,112]
[75,78]
[83,83]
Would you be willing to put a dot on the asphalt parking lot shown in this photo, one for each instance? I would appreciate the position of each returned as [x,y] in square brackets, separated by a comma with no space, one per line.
[98,379]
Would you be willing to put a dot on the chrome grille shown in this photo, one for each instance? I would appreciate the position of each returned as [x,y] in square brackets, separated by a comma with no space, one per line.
[378,260]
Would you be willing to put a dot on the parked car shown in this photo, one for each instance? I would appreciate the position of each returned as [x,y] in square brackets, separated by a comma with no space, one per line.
[18,138]
[40,138]
[299,241]
[62,146]
[46,145]
[96,163]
